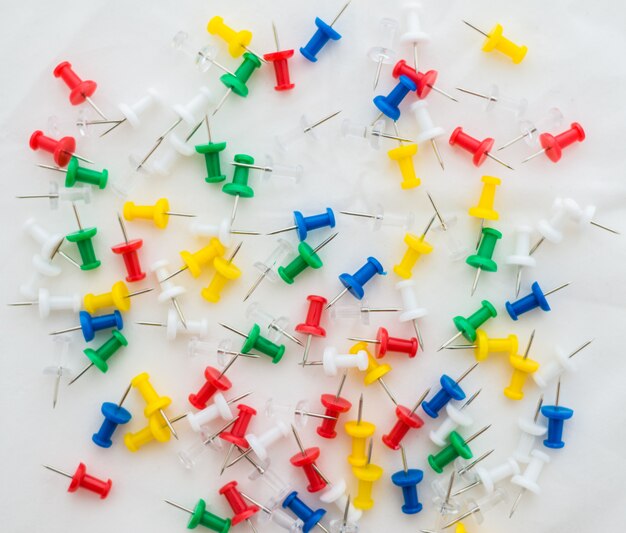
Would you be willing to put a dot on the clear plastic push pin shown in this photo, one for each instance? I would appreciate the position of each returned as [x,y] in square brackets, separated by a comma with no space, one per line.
[174,327]
[477,508]
[426,128]
[345,524]
[529,130]
[56,195]
[457,249]
[297,413]
[276,171]
[278,487]
[495,100]
[384,53]
[223,231]
[445,503]
[359,310]
[305,130]
[276,516]
[190,456]
[202,56]
[169,291]
[276,326]
[59,370]
[223,348]
[379,218]
[373,132]
[269,267]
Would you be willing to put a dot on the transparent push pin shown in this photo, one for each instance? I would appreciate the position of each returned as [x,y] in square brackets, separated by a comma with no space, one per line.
[80,90]
[56,195]
[191,113]
[277,486]
[223,231]
[384,53]
[426,128]
[560,364]
[411,311]
[174,326]
[413,33]
[359,310]
[48,303]
[495,100]
[280,171]
[345,524]
[223,348]
[379,218]
[269,267]
[457,249]
[50,242]
[191,455]
[444,501]
[521,257]
[304,130]
[373,132]
[132,113]
[276,516]
[202,56]
[275,326]
[529,130]
[477,508]
[297,413]
[528,480]
[59,370]
[169,291]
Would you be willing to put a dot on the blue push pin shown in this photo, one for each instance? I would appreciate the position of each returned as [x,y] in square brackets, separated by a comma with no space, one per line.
[304,224]
[408,480]
[322,35]
[388,105]
[309,517]
[114,415]
[355,282]
[556,419]
[450,390]
[537,298]
[90,324]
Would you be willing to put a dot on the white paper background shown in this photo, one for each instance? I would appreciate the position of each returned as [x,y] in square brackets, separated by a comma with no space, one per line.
[574,62]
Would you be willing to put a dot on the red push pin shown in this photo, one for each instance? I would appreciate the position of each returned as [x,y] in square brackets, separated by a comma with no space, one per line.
[82,479]
[553,145]
[281,67]
[384,343]
[242,511]
[80,90]
[236,435]
[479,149]
[311,326]
[335,406]
[62,150]
[306,460]
[424,81]
[128,251]
[406,420]
[215,381]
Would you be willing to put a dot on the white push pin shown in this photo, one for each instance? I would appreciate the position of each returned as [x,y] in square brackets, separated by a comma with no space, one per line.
[495,100]
[379,218]
[304,130]
[203,57]
[552,229]
[49,242]
[583,216]
[219,407]
[192,455]
[359,310]
[297,413]
[560,364]
[411,311]
[174,326]
[277,171]
[464,470]
[56,195]
[276,516]
[48,303]
[334,361]
[413,32]
[456,419]
[269,267]
[62,346]
[174,150]
[530,432]
[275,326]
[191,113]
[477,508]
[223,231]
[488,478]
[521,257]
[529,130]
[384,53]
[528,480]
[426,128]
[259,444]
[43,269]
[336,493]
[169,291]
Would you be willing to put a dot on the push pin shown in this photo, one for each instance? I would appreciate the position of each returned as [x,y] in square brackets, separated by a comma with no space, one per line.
[583,216]
[406,421]
[56,195]
[44,268]
[536,298]
[483,258]
[322,35]
[269,267]
[390,105]
[467,326]
[203,57]
[530,431]
[424,81]
[237,41]
[242,511]
[278,171]
[457,249]
[201,517]
[128,251]
[277,516]
[260,444]
[169,291]
[522,367]
[337,494]
[174,327]
[276,326]
[416,248]
[388,344]
[427,129]
[360,310]
[81,479]
[411,311]
[562,363]
[103,353]
[237,82]
[196,261]
[413,33]
[281,65]
[443,499]
[552,145]
[450,390]
[375,371]
[305,459]
[159,213]
[552,119]
[236,435]
[225,271]
[299,413]
[62,150]
[478,508]
[456,418]
[380,218]
[485,345]
[59,370]
[191,456]
[333,361]
[223,231]
[303,224]
[480,150]
[75,173]
[373,132]
[48,303]
[360,431]
[366,475]
[335,406]
[311,326]
[403,155]
[239,187]
[118,297]
[304,130]
[528,480]
[307,257]
[355,283]
[494,99]
[255,341]
[408,480]
[497,41]
[90,324]
[458,447]
[175,148]
[308,516]
[83,238]
[215,381]
[220,407]
[384,53]
[114,416]
[521,258]
[556,416]
[488,478]
[484,210]
[80,90]
[211,152]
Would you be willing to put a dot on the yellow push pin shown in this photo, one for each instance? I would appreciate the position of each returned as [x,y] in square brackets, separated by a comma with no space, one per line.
[367,476]
[486,345]
[417,247]
[497,41]
[196,261]
[155,430]
[118,297]
[237,41]
[159,213]
[374,371]
[360,431]
[403,155]
[154,402]
[522,368]
[225,271]
[484,210]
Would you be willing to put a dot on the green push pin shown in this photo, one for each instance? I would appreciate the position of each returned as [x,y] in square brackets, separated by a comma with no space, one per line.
[76,173]
[468,326]
[307,257]
[211,152]
[255,341]
[237,82]
[458,447]
[482,259]
[239,186]
[101,355]
[84,241]
[201,517]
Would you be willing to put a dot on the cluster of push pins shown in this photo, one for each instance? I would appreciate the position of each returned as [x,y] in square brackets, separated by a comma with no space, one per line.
[219,422]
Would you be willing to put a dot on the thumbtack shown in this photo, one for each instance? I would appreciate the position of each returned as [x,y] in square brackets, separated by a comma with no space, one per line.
[536,298]
[413,32]
[281,66]
[458,447]
[55,195]
[169,291]
[477,508]
[237,82]
[62,150]
[100,355]
[80,90]
[559,365]
[174,326]
[427,129]
[467,326]
[424,81]
[305,459]
[322,36]
[80,479]
[268,268]
[304,130]
[48,303]
[552,145]
[200,516]
[237,41]
[450,390]
[552,119]
[384,53]
[497,41]
[114,416]
[480,150]
[58,370]
[90,324]
[276,326]
[292,173]
[303,224]
[225,271]
[482,259]
[522,367]
[203,57]
[416,248]
[128,251]
[528,480]
[255,341]
[496,99]
[380,218]
[355,283]
[75,173]
[307,257]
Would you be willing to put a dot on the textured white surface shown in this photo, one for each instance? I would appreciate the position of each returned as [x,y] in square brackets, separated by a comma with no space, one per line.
[574,62]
